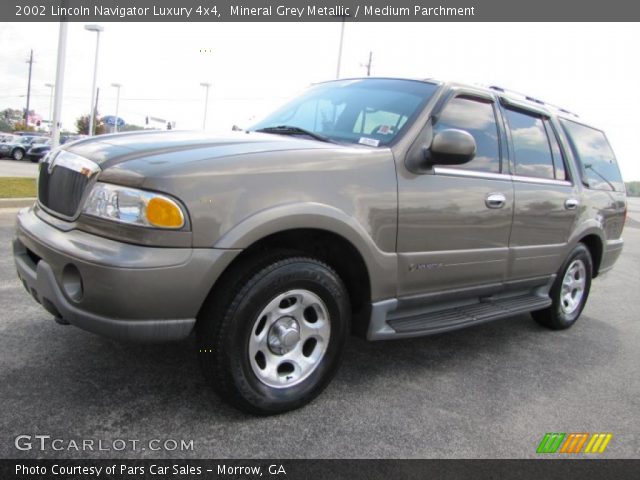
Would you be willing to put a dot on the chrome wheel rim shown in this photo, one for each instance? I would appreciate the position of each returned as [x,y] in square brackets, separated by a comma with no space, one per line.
[289,338]
[573,287]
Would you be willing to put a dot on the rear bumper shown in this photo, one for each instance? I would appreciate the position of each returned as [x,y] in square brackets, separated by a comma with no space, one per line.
[115,289]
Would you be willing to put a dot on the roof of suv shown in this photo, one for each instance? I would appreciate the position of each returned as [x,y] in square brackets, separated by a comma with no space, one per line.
[511,96]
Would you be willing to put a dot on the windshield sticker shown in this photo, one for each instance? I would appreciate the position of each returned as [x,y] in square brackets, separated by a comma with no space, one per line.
[384,129]
[372,142]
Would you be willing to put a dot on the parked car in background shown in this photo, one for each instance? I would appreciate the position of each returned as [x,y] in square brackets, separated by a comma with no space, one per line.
[19,146]
[7,137]
[71,138]
[38,150]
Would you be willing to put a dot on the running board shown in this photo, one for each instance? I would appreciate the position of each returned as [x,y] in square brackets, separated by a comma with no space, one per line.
[453,318]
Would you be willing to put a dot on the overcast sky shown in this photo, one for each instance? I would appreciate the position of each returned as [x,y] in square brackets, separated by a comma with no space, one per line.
[590,69]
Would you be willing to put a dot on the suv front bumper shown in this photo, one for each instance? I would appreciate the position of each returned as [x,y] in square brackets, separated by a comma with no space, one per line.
[111,288]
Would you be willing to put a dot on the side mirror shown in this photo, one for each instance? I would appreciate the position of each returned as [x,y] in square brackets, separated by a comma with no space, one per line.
[451,147]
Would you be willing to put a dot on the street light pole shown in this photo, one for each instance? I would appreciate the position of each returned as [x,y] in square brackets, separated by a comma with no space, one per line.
[50,85]
[117,85]
[206,103]
[340,48]
[57,103]
[97,29]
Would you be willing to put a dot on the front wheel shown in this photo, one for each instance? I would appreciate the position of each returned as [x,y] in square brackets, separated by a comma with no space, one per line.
[569,292]
[275,342]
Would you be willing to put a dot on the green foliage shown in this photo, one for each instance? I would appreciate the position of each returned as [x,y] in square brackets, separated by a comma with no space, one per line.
[11,120]
[633,189]
[82,125]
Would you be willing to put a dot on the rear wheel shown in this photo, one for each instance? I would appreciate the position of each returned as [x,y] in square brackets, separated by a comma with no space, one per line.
[274,341]
[18,154]
[569,292]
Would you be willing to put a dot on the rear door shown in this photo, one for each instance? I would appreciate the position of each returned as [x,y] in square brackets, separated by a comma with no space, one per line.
[546,198]
[454,222]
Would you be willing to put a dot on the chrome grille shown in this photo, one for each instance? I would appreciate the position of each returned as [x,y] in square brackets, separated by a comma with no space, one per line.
[62,182]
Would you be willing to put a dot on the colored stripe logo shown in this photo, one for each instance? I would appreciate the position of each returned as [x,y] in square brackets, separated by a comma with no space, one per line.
[574,442]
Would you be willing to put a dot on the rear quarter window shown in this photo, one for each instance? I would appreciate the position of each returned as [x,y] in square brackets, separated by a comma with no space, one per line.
[597,162]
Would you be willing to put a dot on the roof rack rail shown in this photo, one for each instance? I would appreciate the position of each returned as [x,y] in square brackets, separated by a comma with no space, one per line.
[532,99]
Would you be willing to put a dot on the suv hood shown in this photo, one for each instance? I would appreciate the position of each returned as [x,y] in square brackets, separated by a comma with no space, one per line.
[109,150]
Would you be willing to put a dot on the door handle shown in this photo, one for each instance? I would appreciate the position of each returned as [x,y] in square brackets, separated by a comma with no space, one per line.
[571,204]
[495,200]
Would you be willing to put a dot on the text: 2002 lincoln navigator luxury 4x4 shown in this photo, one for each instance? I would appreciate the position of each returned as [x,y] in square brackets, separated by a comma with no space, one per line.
[393,208]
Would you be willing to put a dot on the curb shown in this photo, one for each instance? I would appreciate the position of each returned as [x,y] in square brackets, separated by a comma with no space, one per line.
[16,202]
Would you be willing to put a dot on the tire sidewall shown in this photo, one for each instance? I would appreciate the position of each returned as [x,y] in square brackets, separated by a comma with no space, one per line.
[579,252]
[15,153]
[298,275]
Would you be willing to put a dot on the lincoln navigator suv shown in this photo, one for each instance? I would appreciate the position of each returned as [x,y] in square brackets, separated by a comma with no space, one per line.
[387,208]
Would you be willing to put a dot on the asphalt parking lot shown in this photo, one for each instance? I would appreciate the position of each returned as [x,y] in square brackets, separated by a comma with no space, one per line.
[486,392]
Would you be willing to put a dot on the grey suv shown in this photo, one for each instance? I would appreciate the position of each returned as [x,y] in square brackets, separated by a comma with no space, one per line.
[390,208]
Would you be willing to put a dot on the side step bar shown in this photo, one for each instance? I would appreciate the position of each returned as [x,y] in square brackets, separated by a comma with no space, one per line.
[453,318]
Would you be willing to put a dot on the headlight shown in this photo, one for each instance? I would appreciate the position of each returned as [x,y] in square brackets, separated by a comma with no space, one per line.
[133,206]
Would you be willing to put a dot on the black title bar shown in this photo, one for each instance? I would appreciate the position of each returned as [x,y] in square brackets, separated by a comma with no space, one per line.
[583,469]
[317,10]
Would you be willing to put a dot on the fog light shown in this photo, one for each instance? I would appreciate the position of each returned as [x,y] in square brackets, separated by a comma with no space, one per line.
[72,282]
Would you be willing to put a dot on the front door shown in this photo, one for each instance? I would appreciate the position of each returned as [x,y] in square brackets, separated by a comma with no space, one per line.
[454,222]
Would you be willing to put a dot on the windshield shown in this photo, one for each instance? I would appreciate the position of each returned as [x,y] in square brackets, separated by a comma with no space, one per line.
[369,111]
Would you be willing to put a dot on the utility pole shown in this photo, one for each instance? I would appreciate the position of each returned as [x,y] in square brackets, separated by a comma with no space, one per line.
[51,87]
[57,101]
[94,113]
[117,85]
[26,112]
[368,65]
[206,85]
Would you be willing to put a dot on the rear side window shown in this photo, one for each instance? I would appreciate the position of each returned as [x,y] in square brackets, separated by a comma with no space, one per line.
[531,145]
[558,157]
[597,161]
[478,118]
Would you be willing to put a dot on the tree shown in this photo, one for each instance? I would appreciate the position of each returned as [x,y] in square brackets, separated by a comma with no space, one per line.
[633,189]
[10,118]
[22,127]
[82,125]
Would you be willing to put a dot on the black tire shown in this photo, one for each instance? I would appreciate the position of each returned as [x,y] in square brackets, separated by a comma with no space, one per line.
[562,315]
[228,320]
[17,154]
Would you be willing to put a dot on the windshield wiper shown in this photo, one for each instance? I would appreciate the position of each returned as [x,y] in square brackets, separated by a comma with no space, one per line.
[291,130]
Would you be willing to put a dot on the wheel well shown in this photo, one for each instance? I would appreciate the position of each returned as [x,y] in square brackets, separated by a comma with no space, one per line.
[594,244]
[333,250]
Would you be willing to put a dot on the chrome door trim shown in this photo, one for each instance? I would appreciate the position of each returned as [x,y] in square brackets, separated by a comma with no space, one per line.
[455,172]
[543,181]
